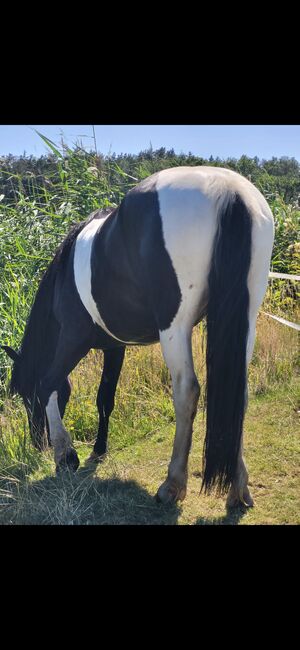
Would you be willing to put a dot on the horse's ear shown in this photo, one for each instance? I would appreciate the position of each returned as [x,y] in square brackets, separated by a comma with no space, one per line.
[15,356]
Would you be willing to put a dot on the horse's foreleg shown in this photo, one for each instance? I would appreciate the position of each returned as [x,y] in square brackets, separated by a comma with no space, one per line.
[64,453]
[62,400]
[113,361]
[64,396]
[68,353]
[177,351]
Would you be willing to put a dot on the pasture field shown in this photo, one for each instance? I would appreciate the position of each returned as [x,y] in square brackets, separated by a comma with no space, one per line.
[121,489]
[33,221]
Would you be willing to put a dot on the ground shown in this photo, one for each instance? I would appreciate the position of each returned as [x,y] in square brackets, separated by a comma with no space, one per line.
[121,490]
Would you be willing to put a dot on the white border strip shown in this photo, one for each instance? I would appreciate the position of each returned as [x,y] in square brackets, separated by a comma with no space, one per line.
[283,321]
[284,276]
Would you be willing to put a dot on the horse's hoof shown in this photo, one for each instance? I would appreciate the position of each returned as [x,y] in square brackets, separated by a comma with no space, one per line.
[169,493]
[237,500]
[247,499]
[95,458]
[69,461]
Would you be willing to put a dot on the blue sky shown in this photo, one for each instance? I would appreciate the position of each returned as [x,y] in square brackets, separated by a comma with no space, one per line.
[223,141]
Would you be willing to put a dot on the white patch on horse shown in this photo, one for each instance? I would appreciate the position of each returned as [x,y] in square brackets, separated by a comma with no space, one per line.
[189,200]
[189,222]
[83,274]
[58,433]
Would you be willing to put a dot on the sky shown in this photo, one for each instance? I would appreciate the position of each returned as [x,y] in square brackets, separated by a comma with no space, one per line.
[224,141]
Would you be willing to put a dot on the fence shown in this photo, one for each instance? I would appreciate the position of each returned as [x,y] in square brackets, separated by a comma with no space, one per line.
[283,321]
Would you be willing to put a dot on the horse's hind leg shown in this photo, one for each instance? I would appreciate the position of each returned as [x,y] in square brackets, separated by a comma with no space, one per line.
[239,493]
[177,350]
[68,353]
[113,361]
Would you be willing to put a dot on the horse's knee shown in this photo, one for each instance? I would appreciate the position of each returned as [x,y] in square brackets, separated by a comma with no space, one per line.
[45,392]
[105,406]
[64,396]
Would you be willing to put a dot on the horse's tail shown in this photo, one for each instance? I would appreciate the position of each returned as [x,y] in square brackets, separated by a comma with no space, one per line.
[227,333]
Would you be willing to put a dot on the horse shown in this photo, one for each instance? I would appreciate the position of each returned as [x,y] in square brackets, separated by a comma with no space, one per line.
[184,244]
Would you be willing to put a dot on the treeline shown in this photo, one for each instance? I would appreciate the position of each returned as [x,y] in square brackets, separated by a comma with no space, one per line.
[33,177]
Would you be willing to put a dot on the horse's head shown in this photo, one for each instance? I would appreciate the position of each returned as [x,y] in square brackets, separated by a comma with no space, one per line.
[34,409]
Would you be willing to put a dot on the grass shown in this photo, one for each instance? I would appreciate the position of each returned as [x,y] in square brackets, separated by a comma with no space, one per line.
[121,490]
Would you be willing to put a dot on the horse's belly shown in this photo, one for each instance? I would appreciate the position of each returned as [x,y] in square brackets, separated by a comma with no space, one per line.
[112,304]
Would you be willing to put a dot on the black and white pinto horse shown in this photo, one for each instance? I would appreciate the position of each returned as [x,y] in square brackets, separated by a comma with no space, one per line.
[185,243]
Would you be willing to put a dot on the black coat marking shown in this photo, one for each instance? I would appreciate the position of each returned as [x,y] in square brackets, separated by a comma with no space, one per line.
[134,283]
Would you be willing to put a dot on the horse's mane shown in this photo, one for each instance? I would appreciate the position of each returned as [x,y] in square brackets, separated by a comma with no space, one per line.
[41,323]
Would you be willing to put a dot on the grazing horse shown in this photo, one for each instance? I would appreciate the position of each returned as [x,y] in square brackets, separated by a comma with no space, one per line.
[185,243]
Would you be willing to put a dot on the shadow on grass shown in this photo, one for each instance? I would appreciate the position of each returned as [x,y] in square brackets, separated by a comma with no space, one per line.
[82,499]
[232,518]
[85,499]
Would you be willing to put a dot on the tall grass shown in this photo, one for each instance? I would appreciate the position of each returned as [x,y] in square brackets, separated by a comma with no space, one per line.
[31,228]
